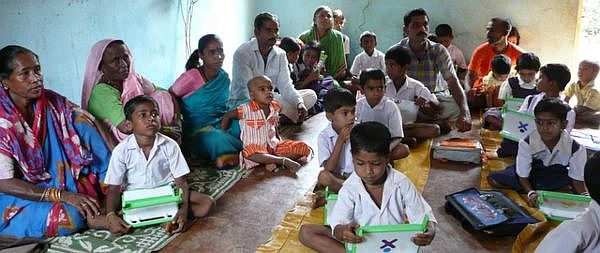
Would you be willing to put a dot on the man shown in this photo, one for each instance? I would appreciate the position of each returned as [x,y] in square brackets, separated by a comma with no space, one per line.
[259,57]
[430,59]
[497,43]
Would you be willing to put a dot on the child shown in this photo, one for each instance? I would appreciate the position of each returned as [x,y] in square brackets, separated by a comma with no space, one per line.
[333,145]
[400,87]
[258,125]
[338,24]
[588,96]
[501,65]
[376,194]
[148,159]
[374,106]
[514,36]
[548,159]
[370,57]
[292,52]
[581,233]
[311,75]
[521,86]
[445,37]
[553,79]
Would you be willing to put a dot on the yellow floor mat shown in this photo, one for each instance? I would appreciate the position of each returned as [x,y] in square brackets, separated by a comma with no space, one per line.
[285,235]
[531,236]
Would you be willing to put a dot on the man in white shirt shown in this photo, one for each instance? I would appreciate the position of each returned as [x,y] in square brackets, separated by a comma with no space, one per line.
[259,56]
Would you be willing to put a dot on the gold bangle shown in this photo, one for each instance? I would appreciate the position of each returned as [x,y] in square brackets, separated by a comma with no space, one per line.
[59,195]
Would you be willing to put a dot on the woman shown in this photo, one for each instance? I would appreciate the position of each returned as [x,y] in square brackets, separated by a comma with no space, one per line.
[204,94]
[110,81]
[52,159]
[331,42]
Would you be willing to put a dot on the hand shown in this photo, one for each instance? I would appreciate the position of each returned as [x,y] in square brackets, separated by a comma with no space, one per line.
[532,199]
[424,239]
[345,233]
[178,223]
[420,101]
[345,133]
[312,76]
[86,205]
[116,225]
[302,113]
[463,123]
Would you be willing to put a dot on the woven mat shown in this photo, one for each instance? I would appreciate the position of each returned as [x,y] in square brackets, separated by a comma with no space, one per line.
[148,239]
[285,235]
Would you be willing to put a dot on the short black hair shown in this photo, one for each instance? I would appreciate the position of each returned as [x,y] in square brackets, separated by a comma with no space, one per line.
[313,45]
[416,12]
[528,61]
[289,44]
[336,98]
[443,30]
[591,176]
[372,137]
[433,37]
[260,19]
[7,59]
[133,103]
[558,73]
[370,74]
[555,106]
[505,22]
[501,64]
[398,54]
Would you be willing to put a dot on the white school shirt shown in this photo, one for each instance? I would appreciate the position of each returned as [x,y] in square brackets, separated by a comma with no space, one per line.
[410,90]
[561,154]
[128,164]
[506,90]
[363,61]
[400,203]
[531,101]
[458,58]
[386,112]
[326,143]
[576,235]
[248,63]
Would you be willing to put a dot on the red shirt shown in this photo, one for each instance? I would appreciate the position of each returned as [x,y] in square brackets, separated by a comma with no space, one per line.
[481,60]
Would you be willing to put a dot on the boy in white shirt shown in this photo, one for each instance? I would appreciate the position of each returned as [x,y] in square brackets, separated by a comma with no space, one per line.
[370,57]
[149,159]
[374,106]
[375,194]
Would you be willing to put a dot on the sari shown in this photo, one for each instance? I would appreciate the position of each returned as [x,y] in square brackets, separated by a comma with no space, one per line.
[333,45]
[62,150]
[203,105]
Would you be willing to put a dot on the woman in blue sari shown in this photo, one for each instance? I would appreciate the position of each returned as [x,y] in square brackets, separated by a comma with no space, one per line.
[204,95]
[52,158]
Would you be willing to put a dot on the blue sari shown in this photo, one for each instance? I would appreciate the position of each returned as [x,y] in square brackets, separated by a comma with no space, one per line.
[73,157]
[203,110]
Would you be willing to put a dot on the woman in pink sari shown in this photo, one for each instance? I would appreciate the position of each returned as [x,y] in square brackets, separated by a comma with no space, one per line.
[110,81]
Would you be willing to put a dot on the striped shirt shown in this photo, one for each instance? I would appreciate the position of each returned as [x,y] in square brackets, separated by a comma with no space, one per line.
[258,128]
[425,68]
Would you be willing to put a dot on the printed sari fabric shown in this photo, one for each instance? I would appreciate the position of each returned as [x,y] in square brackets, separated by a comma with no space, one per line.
[63,150]
[203,108]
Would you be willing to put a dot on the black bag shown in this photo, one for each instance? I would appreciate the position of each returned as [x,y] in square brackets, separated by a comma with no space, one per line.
[512,218]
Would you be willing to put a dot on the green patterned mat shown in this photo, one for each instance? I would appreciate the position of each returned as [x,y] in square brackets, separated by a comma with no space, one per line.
[149,239]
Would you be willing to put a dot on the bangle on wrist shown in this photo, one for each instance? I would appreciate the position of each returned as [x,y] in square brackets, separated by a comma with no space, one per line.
[531,193]
[585,193]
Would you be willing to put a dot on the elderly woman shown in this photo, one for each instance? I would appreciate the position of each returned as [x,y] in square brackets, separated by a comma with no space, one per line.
[204,93]
[331,41]
[52,158]
[110,81]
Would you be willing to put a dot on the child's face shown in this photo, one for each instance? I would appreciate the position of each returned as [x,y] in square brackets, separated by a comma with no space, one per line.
[446,40]
[292,57]
[368,43]
[310,57]
[145,120]
[527,75]
[544,84]
[512,39]
[586,72]
[370,167]
[549,126]
[262,92]
[342,117]
[500,77]
[374,91]
[394,70]
[339,22]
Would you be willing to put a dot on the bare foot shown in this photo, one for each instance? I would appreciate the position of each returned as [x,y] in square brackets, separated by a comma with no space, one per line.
[270,167]
[291,165]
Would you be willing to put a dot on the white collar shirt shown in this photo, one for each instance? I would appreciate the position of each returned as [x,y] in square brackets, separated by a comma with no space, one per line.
[410,90]
[386,112]
[326,142]
[363,61]
[532,100]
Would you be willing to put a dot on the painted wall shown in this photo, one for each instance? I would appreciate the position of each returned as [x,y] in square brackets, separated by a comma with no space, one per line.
[548,28]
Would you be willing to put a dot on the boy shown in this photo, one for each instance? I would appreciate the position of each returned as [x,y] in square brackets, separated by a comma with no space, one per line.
[148,159]
[374,106]
[370,57]
[376,194]
[588,96]
[492,82]
[292,52]
[333,145]
[553,79]
[338,24]
[548,159]
[258,125]
[445,37]
[400,87]
[581,233]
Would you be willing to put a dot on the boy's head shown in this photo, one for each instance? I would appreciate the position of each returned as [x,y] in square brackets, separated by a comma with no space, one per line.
[338,19]
[553,78]
[368,42]
[311,53]
[340,106]
[142,115]
[444,34]
[372,83]
[587,71]
[261,90]
[528,65]
[397,59]
[551,117]
[591,176]
[501,66]
[291,47]
[370,147]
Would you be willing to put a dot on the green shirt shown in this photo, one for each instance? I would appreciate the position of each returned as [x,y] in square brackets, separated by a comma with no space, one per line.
[333,45]
[105,104]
